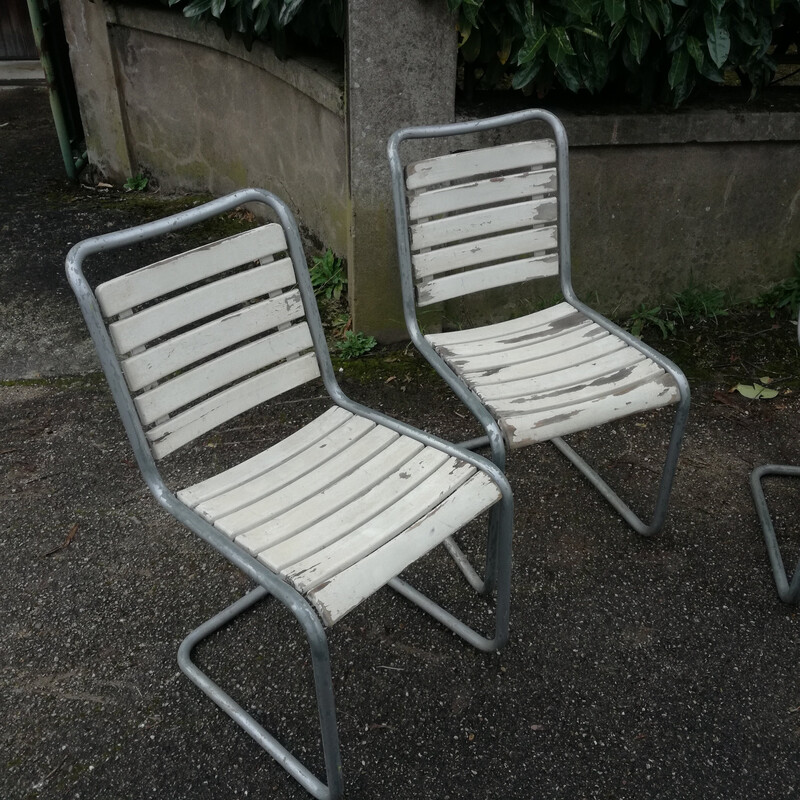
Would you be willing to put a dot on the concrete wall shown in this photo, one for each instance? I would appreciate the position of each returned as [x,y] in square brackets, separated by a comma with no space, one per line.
[200,113]
[658,200]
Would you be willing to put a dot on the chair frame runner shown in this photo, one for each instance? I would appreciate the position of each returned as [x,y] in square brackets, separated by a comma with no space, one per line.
[494,437]
[269,583]
[788,587]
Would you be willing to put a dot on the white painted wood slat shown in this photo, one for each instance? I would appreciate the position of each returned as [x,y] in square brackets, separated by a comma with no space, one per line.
[175,432]
[196,304]
[566,374]
[309,485]
[505,247]
[530,428]
[291,469]
[460,197]
[476,280]
[309,573]
[529,322]
[333,512]
[484,222]
[574,337]
[221,371]
[268,459]
[458,166]
[580,394]
[199,343]
[545,365]
[164,277]
[343,592]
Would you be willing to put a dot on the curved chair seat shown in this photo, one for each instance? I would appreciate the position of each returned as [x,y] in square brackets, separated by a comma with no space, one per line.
[554,372]
[342,506]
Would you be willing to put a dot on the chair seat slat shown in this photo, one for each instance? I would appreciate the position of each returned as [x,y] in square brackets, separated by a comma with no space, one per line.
[329,514]
[484,222]
[196,304]
[270,458]
[531,428]
[457,166]
[309,573]
[310,484]
[290,469]
[481,193]
[199,343]
[183,427]
[221,371]
[163,277]
[342,593]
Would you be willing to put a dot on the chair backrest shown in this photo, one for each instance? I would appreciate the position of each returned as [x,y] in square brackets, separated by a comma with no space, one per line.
[480,218]
[208,334]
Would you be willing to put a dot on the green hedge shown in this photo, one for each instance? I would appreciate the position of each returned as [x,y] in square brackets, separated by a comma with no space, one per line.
[657,50]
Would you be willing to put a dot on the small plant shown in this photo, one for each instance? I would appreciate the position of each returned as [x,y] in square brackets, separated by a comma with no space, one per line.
[136,183]
[696,303]
[328,276]
[644,316]
[354,345]
[784,295]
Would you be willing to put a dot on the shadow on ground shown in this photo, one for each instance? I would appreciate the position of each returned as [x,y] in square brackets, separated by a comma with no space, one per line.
[661,668]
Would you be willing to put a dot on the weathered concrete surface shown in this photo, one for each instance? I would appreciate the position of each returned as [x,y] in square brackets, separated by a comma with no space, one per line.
[401,70]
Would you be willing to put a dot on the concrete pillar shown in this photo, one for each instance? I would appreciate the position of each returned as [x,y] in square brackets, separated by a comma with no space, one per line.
[401,70]
[90,53]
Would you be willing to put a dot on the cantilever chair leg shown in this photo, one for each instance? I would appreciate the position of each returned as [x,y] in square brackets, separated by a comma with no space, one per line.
[324,691]
[788,588]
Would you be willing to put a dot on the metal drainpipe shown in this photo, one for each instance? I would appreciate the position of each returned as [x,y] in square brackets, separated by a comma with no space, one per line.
[71,164]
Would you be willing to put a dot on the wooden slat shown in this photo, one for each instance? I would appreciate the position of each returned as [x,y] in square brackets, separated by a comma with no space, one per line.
[227,404]
[309,573]
[497,329]
[565,375]
[458,166]
[164,277]
[199,343]
[505,189]
[331,513]
[340,594]
[505,247]
[270,458]
[476,280]
[291,469]
[196,304]
[545,365]
[530,428]
[538,335]
[582,393]
[323,475]
[484,222]
[221,371]
[575,336]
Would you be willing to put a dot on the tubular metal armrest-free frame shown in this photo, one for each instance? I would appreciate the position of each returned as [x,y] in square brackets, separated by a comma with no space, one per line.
[318,521]
[788,587]
[494,216]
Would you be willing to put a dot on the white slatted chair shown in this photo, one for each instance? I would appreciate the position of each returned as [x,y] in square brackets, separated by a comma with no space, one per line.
[322,519]
[788,586]
[473,220]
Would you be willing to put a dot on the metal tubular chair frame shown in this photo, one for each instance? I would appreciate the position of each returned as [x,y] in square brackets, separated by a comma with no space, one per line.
[788,587]
[493,435]
[267,581]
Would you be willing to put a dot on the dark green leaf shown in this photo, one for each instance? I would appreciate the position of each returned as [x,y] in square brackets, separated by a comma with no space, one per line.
[471,47]
[568,72]
[289,11]
[719,39]
[559,46]
[531,47]
[196,8]
[679,68]
[217,7]
[695,51]
[522,77]
[580,8]
[638,39]
[615,10]
[635,9]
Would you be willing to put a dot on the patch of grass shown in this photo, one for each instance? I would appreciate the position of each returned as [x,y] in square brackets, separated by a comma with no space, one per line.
[136,183]
[328,275]
[655,317]
[697,303]
[784,296]
[355,344]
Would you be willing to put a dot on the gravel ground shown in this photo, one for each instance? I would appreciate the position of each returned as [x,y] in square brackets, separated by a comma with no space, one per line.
[660,668]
